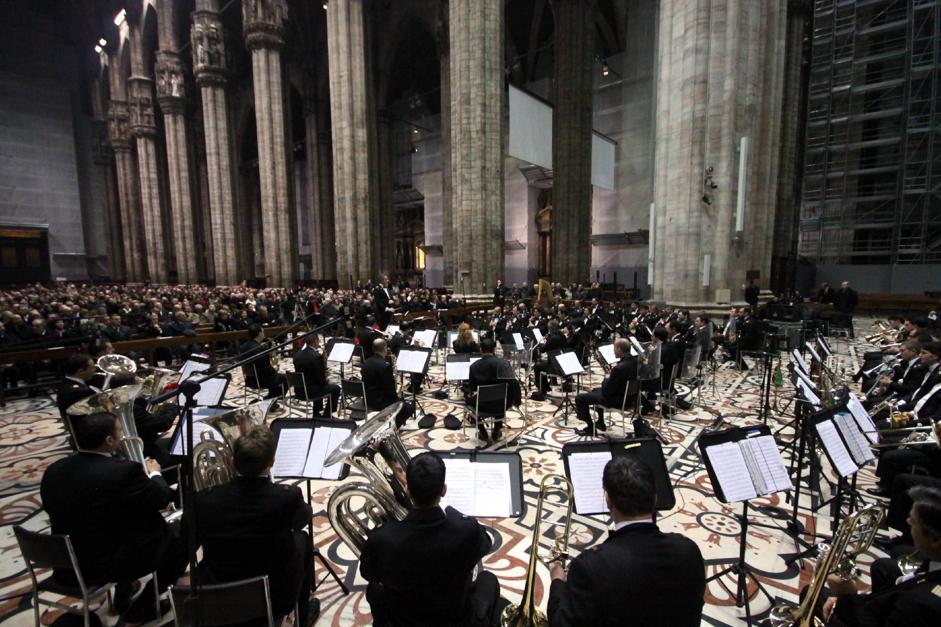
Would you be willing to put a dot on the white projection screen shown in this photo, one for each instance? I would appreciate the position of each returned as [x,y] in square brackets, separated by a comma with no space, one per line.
[531,138]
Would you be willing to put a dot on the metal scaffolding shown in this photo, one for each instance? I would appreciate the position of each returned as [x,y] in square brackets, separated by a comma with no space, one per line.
[872,177]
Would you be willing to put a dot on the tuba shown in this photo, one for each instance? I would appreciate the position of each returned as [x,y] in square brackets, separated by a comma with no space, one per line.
[115,365]
[119,401]
[382,492]
[526,614]
[851,539]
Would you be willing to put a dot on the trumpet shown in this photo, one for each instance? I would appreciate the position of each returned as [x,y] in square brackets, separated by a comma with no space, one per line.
[525,614]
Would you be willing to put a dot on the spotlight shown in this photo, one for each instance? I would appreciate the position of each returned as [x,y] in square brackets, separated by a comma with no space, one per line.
[415,131]
[605,70]
[102,42]
[120,17]
[98,49]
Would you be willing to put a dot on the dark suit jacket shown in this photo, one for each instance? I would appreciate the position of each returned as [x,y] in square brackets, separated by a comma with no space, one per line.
[751,335]
[71,392]
[111,510]
[267,375]
[903,383]
[614,384]
[486,371]
[246,529]
[310,363]
[922,387]
[424,564]
[379,380]
[910,604]
[638,576]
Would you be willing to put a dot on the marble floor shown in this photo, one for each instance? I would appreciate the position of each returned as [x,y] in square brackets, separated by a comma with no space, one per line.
[31,438]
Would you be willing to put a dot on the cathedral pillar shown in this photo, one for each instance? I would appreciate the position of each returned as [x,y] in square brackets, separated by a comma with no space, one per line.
[447,227]
[477,132]
[720,78]
[354,180]
[263,27]
[145,134]
[102,157]
[209,66]
[323,246]
[128,201]
[170,96]
[571,140]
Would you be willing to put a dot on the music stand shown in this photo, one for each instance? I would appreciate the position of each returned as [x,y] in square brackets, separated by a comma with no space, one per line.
[731,460]
[414,360]
[477,459]
[340,430]
[340,350]
[567,363]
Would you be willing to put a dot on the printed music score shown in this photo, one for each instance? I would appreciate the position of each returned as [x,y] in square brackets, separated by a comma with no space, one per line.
[569,363]
[411,361]
[425,338]
[837,452]
[537,334]
[800,360]
[458,370]
[341,352]
[854,439]
[477,488]
[301,453]
[586,470]
[863,419]
[748,468]
[607,351]
[210,392]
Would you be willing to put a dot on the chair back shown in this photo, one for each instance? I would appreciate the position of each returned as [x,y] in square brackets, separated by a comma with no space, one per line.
[298,382]
[690,362]
[651,369]
[223,604]
[43,550]
[354,388]
[630,391]
[491,397]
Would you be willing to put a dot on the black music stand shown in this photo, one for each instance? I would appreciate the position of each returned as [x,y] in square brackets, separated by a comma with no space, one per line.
[567,370]
[511,459]
[740,567]
[338,351]
[415,369]
[311,425]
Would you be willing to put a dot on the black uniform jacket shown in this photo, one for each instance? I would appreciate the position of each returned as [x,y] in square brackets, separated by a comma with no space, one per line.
[615,383]
[379,380]
[914,603]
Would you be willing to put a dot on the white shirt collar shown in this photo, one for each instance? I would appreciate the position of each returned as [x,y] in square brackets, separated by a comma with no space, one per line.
[625,523]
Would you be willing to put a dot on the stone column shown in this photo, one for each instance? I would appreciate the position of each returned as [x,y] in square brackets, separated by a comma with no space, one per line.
[571,140]
[385,242]
[354,181]
[126,175]
[102,157]
[329,254]
[170,96]
[263,26]
[447,217]
[720,78]
[477,132]
[145,134]
[209,66]
[323,246]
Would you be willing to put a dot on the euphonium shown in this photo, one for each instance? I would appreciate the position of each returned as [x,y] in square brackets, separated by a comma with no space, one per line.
[120,401]
[526,614]
[115,365]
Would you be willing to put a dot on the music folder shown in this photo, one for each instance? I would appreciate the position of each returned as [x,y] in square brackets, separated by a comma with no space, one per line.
[584,466]
[341,351]
[178,441]
[425,338]
[211,392]
[413,359]
[567,363]
[482,484]
[607,352]
[744,463]
[457,366]
[842,440]
[303,446]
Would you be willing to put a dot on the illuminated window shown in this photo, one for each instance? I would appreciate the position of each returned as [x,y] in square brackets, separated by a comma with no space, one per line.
[419,258]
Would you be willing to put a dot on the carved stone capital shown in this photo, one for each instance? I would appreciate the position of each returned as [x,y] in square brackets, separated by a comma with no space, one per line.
[171,88]
[142,106]
[119,133]
[263,23]
[208,43]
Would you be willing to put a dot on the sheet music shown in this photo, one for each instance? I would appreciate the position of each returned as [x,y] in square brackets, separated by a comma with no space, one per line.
[866,425]
[190,367]
[459,477]
[637,345]
[325,440]
[855,442]
[425,338]
[826,347]
[537,334]
[586,470]
[457,370]
[728,463]
[411,361]
[179,443]
[291,455]
[569,363]
[518,340]
[800,360]
[767,462]
[392,329]
[808,394]
[806,379]
[607,351]
[341,352]
[839,456]
[210,392]
[813,352]
[492,497]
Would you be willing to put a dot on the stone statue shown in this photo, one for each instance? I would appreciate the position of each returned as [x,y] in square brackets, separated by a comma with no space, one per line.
[544,228]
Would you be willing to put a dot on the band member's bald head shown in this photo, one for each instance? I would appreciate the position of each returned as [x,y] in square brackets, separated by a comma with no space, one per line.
[622,347]
[379,346]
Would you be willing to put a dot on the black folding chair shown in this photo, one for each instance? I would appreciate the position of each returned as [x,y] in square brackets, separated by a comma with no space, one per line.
[224,603]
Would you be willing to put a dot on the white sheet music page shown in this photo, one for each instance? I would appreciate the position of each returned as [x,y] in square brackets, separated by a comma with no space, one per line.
[863,419]
[769,463]
[800,360]
[854,440]
[537,334]
[210,392]
[806,379]
[518,341]
[392,329]
[190,367]
[341,352]
[728,462]
[325,440]
[569,363]
[637,345]
[838,453]
[459,477]
[425,338]
[411,361]
[808,394]
[492,495]
[291,455]
[586,470]
[457,370]
[198,429]
[607,351]
[813,352]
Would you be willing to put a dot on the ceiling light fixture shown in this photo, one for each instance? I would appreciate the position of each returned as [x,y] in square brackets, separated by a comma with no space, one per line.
[120,17]
[98,49]
[102,42]
[605,70]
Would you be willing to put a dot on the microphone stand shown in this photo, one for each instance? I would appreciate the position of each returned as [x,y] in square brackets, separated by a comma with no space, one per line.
[189,389]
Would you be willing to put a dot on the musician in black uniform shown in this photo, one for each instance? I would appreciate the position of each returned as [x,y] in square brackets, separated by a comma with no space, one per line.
[420,569]
[310,362]
[639,575]
[379,381]
[267,376]
[253,527]
[79,370]
[150,425]
[671,354]
[382,298]
[555,341]
[110,508]
[492,370]
[913,600]
[611,392]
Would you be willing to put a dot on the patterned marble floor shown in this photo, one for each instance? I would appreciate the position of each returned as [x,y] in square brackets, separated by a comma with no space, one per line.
[31,438]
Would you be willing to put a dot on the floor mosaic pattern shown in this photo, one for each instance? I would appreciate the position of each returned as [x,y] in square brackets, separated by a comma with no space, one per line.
[31,438]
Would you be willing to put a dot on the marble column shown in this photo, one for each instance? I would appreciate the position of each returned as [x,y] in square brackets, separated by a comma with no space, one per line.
[170,96]
[720,78]
[571,140]
[354,181]
[323,248]
[447,226]
[209,66]
[263,27]
[128,198]
[477,132]
[329,252]
[103,159]
[145,136]
[385,242]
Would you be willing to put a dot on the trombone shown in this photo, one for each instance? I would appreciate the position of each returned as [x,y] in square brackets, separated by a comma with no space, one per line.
[526,614]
